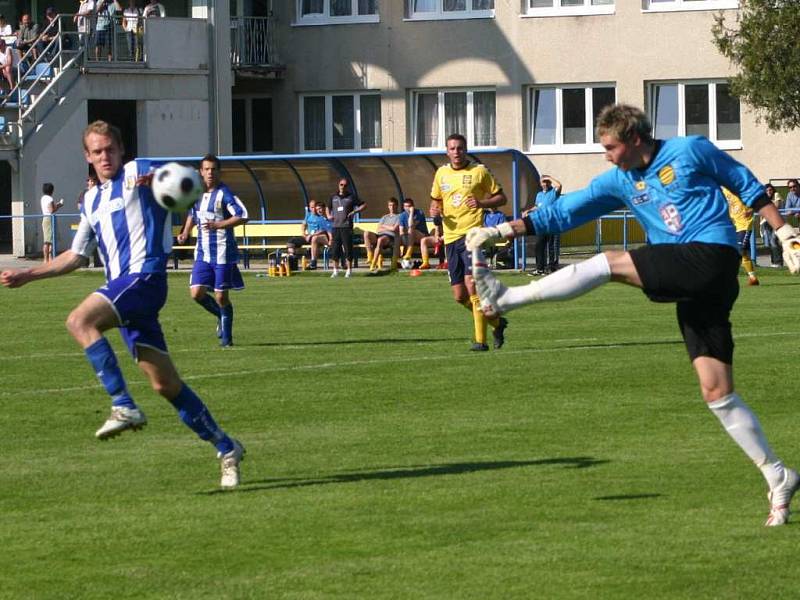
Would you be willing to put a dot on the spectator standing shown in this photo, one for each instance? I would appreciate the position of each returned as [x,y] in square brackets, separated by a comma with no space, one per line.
[49,208]
[136,251]
[548,246]
[105,27]
[83,19]
[215,214]
[27,35]
[154,9]
[131,23]
[768,236]
[342,206]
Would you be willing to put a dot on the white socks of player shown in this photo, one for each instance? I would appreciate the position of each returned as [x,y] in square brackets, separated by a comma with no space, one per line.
[742,425]
[568,282]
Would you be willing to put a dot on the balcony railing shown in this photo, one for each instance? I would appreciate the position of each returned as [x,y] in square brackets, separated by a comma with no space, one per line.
[253,42]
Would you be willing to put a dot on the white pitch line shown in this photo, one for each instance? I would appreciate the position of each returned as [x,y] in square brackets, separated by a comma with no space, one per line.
[361,363]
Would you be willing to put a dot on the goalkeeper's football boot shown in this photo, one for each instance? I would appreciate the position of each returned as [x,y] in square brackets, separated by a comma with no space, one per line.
[499,333]
[229,463]
[478,347]
[121,419]
[780,497]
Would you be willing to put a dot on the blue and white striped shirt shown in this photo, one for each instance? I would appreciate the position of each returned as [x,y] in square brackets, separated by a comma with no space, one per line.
[218,246]
[125,223]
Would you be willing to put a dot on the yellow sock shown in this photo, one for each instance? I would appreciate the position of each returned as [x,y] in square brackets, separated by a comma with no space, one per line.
[369,257]
[479,319]
[378,262]
[409,252]
[748,265]
[425,262]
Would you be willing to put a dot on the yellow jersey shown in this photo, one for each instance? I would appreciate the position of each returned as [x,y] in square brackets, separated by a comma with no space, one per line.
[740,214]
[453,187]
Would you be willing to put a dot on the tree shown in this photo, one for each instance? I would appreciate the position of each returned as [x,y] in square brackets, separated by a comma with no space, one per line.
[763,41]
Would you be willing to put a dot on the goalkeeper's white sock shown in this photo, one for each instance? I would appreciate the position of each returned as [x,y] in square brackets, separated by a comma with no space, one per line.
[569,282]
[742,425]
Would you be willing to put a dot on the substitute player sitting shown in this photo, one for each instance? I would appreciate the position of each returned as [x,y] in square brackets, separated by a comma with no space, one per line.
[673,188]
[413,227]
[133,232]
[461,190]
[216,254]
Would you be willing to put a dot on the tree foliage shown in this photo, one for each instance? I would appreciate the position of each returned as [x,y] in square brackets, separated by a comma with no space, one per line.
[763,41]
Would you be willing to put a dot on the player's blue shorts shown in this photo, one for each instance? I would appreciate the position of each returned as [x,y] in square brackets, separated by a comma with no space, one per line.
[216,277]
[137,299]
[459,261]
[743,237]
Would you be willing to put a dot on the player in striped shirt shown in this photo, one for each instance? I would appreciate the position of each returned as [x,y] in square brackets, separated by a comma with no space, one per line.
[216,255]
[133,233]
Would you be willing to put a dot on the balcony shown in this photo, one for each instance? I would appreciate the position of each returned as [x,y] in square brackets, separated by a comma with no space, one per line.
[253,48]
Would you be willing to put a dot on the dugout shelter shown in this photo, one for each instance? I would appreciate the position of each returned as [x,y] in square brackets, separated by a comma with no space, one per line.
[276,188]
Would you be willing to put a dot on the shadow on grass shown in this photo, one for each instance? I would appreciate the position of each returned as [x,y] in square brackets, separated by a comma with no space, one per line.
[628,497]
[627,344]
[578,462]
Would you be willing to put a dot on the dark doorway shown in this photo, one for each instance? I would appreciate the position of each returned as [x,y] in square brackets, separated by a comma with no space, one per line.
[121,113]
[5,207]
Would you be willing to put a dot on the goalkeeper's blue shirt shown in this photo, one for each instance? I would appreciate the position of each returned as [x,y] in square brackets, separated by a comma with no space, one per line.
[217,246]
[677,197]
[123,220]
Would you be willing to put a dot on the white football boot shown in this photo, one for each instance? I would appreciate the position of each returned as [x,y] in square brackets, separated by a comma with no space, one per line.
[121,419]
[780,497]
[229,463]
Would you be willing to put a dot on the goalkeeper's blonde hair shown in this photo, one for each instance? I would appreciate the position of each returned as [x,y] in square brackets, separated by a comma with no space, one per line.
[624,122]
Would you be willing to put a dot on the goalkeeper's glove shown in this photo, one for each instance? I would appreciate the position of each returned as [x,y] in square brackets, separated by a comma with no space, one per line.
[478,236]
[790,240]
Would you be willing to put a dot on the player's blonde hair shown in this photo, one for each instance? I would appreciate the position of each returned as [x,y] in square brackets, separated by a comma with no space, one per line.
[624,122]
[106,129]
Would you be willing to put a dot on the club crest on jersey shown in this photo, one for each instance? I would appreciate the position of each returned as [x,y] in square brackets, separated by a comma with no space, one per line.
[671,217]
[130,182]
[466,180]
[456,199]
[666,175]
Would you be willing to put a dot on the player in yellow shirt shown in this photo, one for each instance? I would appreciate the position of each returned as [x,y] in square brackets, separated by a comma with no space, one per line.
[461,190]
[742,218]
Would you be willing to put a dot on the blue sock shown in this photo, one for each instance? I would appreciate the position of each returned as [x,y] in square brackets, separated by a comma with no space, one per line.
[196,416]
[226,319]
[104,362]
[209,304]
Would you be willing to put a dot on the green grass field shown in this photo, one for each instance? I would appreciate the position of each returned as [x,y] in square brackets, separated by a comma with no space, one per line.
[385,460]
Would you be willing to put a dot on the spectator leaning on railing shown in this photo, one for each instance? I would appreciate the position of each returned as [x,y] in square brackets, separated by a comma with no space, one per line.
[49,31]
[104,28]
[132,24]
[83,19]
[154,9]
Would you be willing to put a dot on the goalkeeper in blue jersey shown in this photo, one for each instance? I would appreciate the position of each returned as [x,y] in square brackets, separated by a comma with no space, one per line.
[673,189]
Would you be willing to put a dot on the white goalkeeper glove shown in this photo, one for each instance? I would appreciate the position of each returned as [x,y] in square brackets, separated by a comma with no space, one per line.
[478,236]
[790,240]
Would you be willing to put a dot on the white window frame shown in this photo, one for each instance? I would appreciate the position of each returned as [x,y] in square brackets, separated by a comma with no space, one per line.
[686,5]
[569,11]
[712,108]
[442,134]
[441,15]
[326,19]
[248,121]
[329,121]
[559,147]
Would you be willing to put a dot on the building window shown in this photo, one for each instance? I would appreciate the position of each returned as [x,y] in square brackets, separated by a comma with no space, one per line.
[696,108]
[340,122]
[449,9]
[562,118]
[329,12]
[251,124]
[563,8]
[677,5]
[439,113]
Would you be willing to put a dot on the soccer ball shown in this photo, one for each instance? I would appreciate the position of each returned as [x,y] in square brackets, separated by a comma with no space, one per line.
[405,263]
[176,187]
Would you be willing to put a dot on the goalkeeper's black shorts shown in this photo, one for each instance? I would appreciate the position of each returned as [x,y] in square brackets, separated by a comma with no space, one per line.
[702,280]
